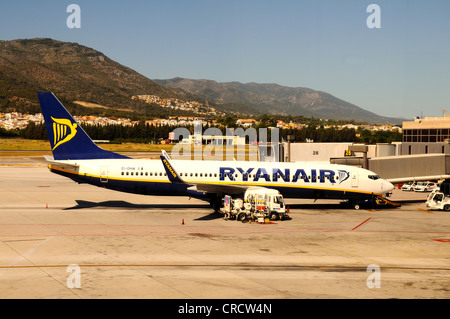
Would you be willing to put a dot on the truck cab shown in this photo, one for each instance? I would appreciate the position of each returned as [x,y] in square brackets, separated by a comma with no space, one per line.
[275,206]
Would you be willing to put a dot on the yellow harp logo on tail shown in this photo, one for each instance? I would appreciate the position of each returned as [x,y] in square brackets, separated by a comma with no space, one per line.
[63,131]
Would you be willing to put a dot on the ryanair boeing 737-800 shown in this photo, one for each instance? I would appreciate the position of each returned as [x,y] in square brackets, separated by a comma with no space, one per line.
[77,157]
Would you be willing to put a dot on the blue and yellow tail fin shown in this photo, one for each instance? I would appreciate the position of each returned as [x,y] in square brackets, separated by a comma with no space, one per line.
[68,139]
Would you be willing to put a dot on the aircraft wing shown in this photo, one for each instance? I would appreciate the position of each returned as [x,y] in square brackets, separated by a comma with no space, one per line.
[201,187]
[417,178]
[221,188]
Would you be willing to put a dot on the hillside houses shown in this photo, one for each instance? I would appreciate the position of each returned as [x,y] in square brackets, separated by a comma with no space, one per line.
[15,120]
[246,122]
[177,104]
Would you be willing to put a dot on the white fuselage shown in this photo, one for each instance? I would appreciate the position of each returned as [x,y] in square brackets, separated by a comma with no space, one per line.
[297,179]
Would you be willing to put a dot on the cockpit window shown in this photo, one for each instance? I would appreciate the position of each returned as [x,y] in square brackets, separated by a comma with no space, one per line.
[374,177]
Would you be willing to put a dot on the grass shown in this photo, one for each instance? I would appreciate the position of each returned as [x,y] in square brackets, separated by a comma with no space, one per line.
[20,144]
[10,145]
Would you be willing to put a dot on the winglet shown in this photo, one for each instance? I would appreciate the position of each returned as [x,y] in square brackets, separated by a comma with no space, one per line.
[171,173]
[166,155]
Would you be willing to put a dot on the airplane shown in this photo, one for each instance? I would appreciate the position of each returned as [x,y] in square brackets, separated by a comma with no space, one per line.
[77,157]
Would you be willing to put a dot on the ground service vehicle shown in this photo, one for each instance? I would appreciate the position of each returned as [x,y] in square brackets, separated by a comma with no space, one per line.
[258,204]
[438,200]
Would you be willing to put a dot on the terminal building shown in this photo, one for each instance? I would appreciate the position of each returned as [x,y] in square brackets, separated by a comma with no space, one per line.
[429,135]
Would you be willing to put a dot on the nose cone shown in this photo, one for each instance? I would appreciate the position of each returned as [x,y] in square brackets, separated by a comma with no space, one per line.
[387,186]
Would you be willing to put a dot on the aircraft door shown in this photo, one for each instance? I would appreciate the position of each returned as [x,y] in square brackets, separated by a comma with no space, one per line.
[104,174]
[355,179]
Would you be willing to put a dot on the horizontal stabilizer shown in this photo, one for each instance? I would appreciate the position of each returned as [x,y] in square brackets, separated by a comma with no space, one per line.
[60,165]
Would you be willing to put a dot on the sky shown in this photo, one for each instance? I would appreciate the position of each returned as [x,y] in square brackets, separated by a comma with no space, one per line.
[401,69]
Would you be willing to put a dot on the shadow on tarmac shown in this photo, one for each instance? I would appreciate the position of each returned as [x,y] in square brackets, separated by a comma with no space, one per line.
[346,205]
[123,204]
[82,204]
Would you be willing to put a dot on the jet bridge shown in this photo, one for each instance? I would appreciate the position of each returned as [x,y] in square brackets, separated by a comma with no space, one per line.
[403,168]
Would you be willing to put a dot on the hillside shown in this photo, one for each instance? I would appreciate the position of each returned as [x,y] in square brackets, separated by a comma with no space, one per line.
[88,82]
[74,73]
[275,99]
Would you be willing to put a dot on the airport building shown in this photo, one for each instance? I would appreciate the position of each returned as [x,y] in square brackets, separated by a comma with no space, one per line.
[429,135]
[326,152]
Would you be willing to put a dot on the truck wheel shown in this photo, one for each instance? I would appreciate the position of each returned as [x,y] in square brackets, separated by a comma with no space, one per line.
[447,208]
[242,217]
[273,216]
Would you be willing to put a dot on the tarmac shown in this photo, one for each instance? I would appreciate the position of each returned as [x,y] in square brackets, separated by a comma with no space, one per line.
[63,240]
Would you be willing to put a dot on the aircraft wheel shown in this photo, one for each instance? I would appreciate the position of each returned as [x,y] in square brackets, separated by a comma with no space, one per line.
[216,204]
[356,206]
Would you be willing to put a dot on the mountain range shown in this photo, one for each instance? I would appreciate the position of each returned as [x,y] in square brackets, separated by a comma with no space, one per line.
[272,98]
[77,73]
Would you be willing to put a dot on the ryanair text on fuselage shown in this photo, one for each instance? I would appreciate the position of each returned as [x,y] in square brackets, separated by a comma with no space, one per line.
[314,176]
